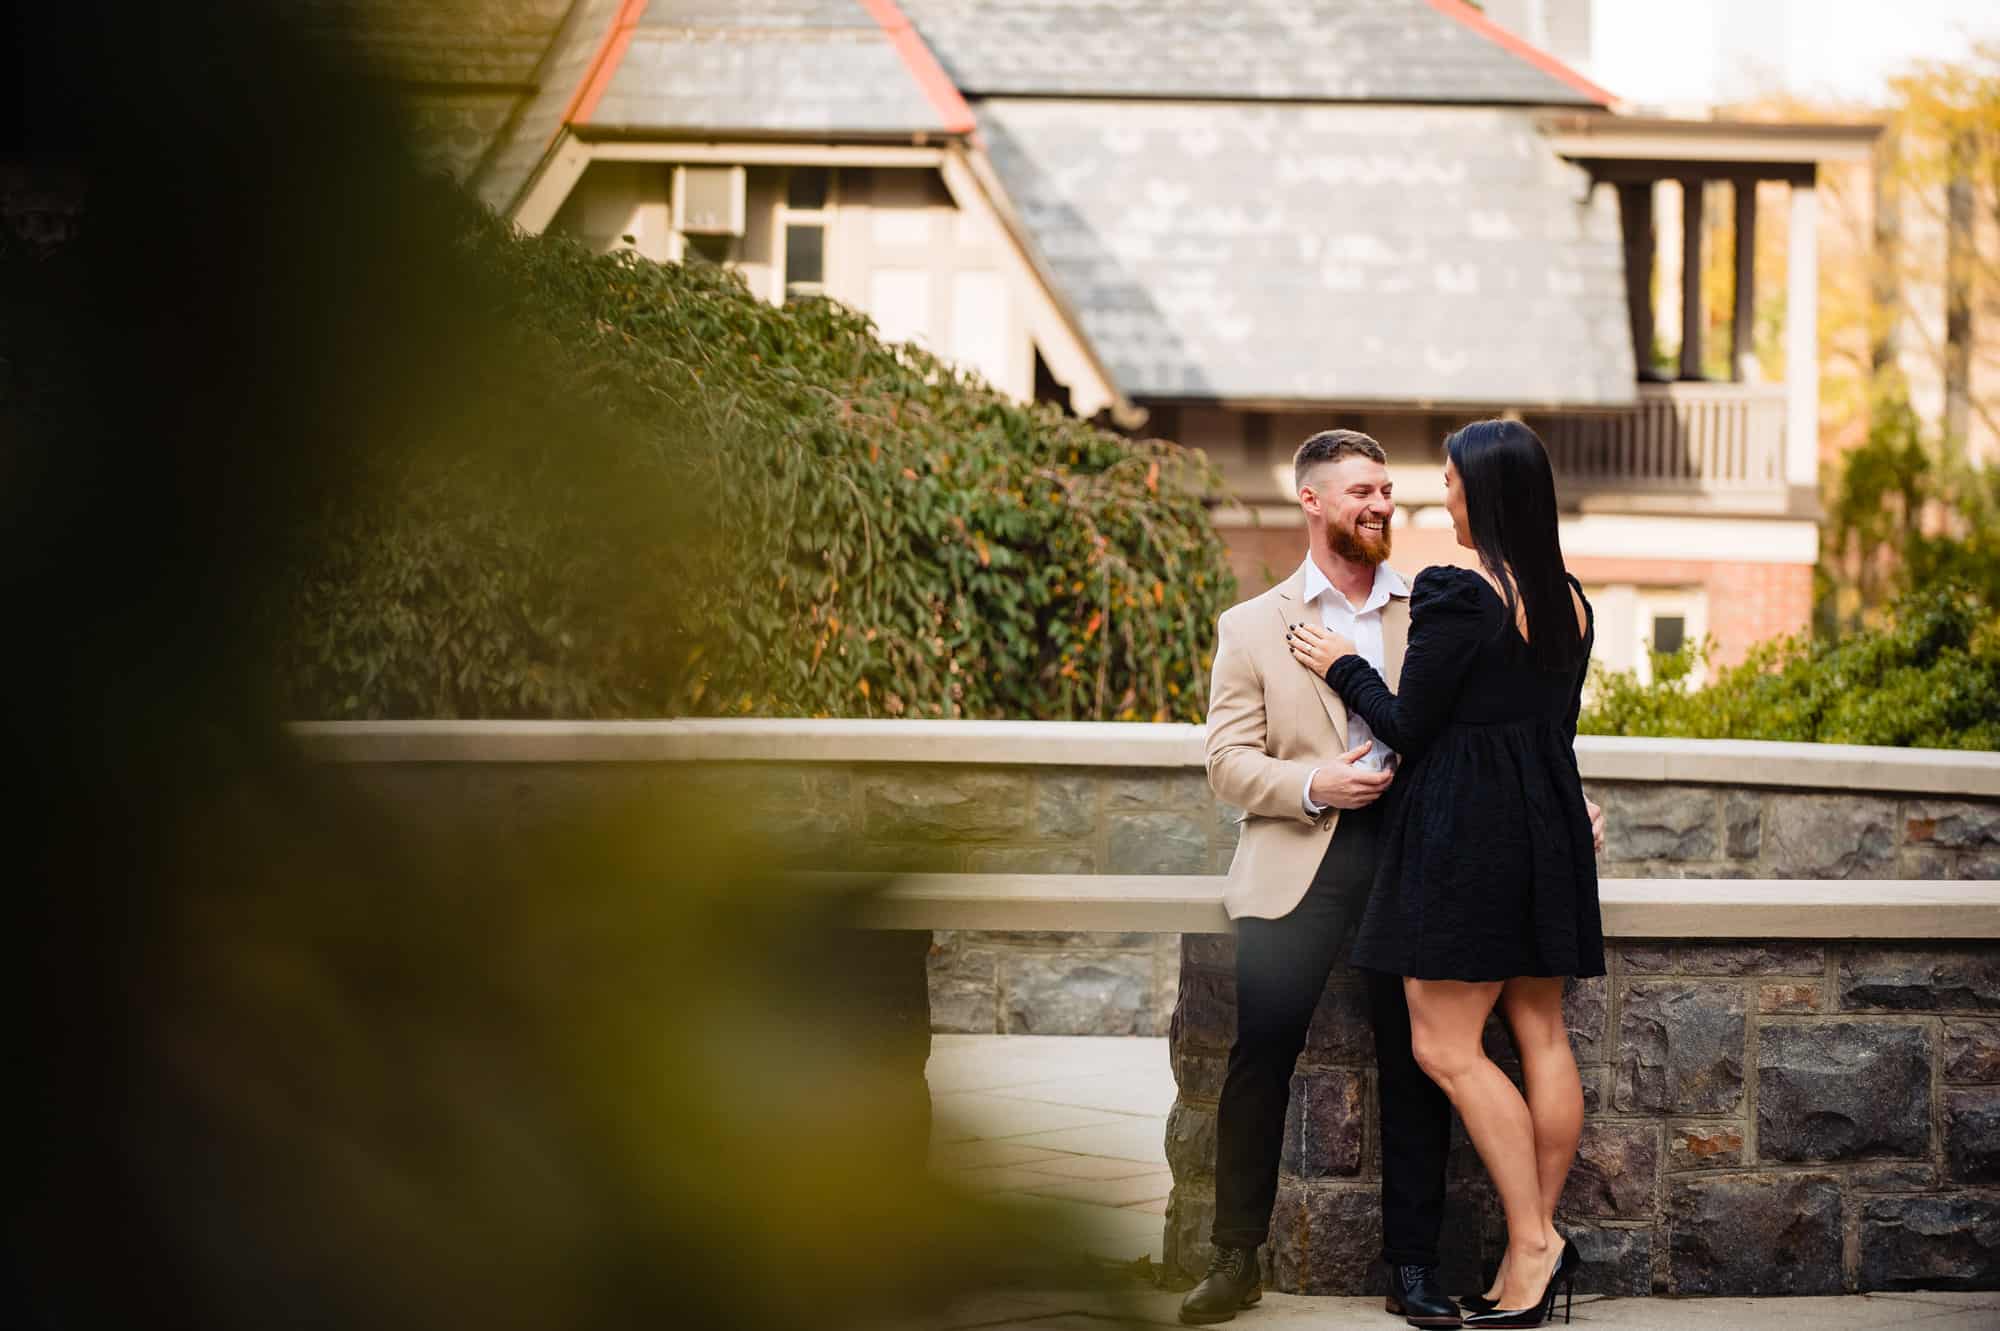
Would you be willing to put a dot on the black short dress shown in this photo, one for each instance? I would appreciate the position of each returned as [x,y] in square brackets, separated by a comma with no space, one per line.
[1487,870]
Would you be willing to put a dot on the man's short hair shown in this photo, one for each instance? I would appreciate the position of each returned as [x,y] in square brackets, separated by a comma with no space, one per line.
[1332,446]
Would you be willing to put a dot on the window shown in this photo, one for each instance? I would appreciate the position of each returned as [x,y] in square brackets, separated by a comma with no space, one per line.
[805,259]
[806,188]
[1664,619]
[805,218]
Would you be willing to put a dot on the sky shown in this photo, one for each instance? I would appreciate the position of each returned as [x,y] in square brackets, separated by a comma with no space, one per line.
[1698,52]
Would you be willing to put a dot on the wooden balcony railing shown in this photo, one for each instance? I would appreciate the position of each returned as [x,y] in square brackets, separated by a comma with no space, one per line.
[1681,439]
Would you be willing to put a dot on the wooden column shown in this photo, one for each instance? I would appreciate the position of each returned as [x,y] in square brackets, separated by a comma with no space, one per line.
[1743,311]
[1802,340]
[1887,283]
[1958,267]
[1635,216]
[1692,315]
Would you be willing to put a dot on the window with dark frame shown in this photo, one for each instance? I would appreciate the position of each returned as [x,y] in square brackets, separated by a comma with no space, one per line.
[808,190]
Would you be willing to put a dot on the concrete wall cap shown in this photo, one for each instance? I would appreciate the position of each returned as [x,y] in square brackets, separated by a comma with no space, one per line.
[1097,744]
[1632,908]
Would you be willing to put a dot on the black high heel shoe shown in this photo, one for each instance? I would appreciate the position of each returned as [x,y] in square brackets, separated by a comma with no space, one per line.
[1563,1277]
[1479,1303]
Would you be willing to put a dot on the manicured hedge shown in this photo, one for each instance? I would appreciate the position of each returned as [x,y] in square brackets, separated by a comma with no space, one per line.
[671,497]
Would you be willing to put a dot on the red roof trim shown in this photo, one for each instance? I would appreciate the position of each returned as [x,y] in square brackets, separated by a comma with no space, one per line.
[610,53]
[923,66]
[1534,55]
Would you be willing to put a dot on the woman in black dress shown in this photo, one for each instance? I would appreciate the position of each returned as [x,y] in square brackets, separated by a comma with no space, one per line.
[1486,890]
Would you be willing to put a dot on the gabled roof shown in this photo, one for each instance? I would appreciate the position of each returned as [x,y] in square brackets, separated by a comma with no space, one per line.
[1239,199]
[464,68]
[587,39]
[1287,252]
[1295,50]
[831,67]
[766,65]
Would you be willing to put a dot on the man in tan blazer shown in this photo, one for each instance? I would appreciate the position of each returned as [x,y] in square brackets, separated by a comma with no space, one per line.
[1282,747]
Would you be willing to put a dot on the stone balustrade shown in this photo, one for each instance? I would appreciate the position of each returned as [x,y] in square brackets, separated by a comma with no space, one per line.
[1803,1112]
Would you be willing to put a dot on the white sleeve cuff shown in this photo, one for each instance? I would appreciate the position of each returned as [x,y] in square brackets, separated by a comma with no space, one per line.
[1306,796]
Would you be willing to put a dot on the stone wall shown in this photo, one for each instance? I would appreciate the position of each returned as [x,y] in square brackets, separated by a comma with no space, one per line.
[1792,1115]
[971,818]
[1683,830]
[1126,820]
[928,818]
[1762,1117]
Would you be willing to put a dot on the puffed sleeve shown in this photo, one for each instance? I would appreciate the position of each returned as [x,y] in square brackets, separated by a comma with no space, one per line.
[1452,612]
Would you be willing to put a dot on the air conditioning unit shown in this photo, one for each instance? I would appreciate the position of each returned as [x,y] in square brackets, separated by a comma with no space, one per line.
[709,200]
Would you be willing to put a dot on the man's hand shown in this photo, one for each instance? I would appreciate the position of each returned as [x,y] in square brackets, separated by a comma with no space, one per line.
[1596,812]
[1342,785]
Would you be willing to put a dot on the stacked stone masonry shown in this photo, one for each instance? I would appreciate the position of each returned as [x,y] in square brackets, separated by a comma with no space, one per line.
[1789,1116]
[1760,1118]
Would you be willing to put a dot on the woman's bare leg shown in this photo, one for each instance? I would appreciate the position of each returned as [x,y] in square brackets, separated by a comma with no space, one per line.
[1447,1018]
[1532,1006]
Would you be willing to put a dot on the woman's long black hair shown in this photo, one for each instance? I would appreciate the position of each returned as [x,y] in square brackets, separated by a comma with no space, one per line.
[1510,504]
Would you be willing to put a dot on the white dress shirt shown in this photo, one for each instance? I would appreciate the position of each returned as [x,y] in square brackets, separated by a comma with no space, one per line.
[1364,627]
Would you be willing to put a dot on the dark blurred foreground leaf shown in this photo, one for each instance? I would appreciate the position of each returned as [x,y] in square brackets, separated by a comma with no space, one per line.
[294,1051]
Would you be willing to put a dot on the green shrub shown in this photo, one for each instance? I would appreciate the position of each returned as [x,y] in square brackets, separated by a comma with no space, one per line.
[671,497]
[1929,679]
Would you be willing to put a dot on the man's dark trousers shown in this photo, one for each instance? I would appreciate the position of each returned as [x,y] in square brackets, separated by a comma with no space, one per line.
[1282,966]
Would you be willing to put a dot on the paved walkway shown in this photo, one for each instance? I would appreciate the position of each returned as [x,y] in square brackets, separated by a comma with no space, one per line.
[1056,1311]
[1075,1127]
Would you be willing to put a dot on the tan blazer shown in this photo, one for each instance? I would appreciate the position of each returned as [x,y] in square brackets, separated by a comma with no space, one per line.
[1270,722]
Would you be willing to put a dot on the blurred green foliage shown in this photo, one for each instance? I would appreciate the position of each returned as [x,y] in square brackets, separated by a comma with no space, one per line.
[1908,512]
[888,536]
[1928,678]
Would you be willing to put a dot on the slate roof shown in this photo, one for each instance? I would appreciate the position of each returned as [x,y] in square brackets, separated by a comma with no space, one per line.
[764,65]
[1357,253]
[754,66]
[443,42]
[465,67]
[1314,50]
[1241,199]
[520,150]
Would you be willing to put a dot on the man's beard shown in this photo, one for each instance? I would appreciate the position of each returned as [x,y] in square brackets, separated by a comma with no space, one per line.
[1358,546]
